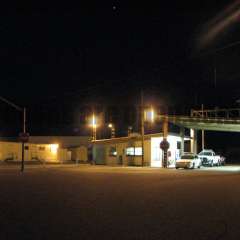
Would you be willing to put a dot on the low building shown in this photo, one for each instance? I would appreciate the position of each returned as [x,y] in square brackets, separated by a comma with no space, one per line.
[127,151]
[77,147]
[12,151]
[53,149]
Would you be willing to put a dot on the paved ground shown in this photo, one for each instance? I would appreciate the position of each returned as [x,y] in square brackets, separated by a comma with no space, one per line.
[91,202]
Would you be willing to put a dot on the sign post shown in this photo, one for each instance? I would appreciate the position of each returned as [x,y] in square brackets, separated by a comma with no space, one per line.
[23,138]
[164,145]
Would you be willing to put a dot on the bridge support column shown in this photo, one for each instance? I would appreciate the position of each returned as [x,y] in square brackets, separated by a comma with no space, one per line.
[193,144]
[203,139]
[182,131]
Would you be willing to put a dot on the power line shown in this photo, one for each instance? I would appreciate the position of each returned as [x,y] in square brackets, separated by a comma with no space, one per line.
[11,104]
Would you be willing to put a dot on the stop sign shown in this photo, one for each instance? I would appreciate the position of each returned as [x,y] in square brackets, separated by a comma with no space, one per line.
[24,137]
[164,145]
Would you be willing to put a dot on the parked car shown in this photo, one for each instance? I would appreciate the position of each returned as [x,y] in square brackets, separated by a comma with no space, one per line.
[189,160]
[209,158]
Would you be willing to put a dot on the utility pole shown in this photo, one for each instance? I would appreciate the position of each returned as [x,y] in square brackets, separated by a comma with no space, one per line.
[215,76]
[203,133]
[142,126]
[23,143]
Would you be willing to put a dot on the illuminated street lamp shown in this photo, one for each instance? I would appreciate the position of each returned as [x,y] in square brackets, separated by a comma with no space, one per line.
[94,127]
[146,116]
[112,127]
[149,115]
[23,135]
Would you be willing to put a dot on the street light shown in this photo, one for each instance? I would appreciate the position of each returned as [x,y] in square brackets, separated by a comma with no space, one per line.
[149,115]
[24,135]
[146,115]
[112,127]
[94,127]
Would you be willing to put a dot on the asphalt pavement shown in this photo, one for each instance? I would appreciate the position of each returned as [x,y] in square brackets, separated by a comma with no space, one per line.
[100,202]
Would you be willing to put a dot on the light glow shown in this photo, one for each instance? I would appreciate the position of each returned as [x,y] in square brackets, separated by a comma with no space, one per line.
[152,115]
[54,148]
[149,115]
[93,121]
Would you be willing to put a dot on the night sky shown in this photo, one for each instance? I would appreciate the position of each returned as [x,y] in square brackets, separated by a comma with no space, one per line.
[63,61]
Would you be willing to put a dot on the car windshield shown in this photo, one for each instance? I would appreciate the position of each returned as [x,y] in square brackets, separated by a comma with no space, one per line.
[187,157]
[205,153]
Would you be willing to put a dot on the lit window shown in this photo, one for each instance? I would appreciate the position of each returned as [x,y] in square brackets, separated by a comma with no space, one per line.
[134,151]
[130,151]
[112,152]
[138,151]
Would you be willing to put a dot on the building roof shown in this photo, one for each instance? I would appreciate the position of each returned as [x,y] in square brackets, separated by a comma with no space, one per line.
[63,141]
[131,137]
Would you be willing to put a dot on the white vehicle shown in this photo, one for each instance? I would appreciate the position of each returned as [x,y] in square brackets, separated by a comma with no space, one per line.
[208,157]
[189,160]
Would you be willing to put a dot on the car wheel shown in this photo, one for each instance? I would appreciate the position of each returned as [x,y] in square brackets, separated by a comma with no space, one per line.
[199,166]
[212,164]
[193,166]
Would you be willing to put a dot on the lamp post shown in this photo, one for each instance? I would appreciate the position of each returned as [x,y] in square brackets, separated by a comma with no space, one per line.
[24,135]
[112,127]
[142,127]
[94,128]
[146,115]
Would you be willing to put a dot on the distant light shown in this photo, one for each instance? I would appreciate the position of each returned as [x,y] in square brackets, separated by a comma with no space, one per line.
[94,121]
[110,125]
[149,115]
[152,115]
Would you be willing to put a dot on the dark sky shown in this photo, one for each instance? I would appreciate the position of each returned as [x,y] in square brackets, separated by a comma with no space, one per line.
[106,52]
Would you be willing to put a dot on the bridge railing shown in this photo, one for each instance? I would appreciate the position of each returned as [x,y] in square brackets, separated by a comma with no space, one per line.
[217,113]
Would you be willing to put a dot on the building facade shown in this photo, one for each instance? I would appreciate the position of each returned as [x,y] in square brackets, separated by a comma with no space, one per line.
[53,149]
[127,151]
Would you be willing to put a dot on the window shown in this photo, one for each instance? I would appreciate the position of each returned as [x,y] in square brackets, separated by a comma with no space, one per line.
[178,145]
[112,152]
[138,151]
[26,147]
[134,151]
[41,148]
[130,151]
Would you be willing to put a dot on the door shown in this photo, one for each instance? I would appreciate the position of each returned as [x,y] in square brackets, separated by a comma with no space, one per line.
[156,152]
[27,153]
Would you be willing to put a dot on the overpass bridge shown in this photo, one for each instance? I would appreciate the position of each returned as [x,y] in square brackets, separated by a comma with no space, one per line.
[225,120]
[202,123]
